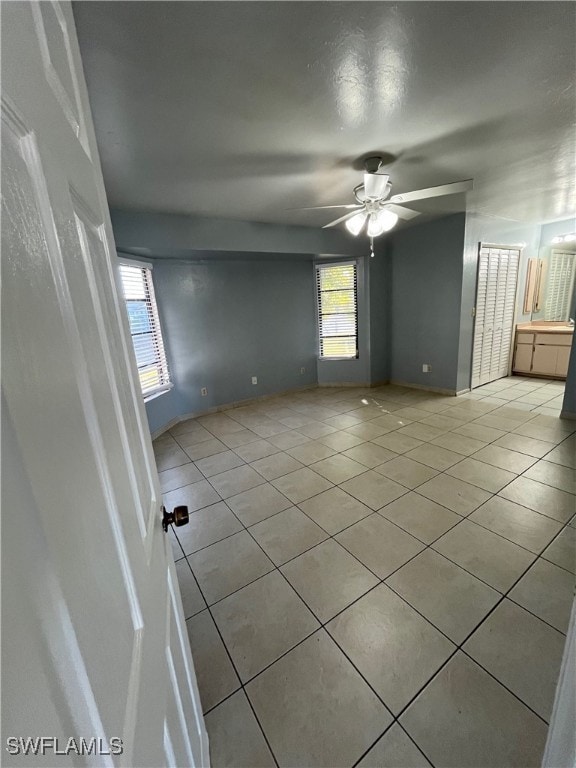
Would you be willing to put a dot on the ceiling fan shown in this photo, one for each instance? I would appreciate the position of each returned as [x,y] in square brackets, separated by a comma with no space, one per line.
[376,209]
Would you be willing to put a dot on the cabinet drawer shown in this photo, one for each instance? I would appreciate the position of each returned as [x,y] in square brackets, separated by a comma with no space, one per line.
[524,338]
[556,339]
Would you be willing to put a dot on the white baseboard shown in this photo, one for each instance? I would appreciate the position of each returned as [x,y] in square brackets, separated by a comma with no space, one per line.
[424,388]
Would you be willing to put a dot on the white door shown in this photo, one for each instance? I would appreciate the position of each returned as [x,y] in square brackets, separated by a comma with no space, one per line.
[494,318]
[93,637]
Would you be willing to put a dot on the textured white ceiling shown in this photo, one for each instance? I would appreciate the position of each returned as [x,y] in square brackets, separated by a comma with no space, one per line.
[249,109]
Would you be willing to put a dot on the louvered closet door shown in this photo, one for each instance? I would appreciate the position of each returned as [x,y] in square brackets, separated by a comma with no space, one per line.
[495,301]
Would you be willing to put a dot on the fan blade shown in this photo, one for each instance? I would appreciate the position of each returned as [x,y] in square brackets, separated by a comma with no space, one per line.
[443,189]
[400,211]
[324,207]
[375,184]
[342,218]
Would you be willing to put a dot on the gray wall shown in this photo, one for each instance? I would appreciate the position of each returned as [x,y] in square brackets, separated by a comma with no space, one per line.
[225,322]
[380,319]
[426,280]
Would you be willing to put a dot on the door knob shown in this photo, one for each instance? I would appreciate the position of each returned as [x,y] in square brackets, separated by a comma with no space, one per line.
[178,517]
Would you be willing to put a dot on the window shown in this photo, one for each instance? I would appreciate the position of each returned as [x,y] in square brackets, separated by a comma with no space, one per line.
[145,327]
[337,310]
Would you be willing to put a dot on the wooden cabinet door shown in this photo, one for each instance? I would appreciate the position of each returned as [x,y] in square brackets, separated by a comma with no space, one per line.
[523,358]
[562,361]
[544,359]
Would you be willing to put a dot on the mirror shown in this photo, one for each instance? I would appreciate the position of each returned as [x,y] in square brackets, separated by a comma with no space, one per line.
[549,292]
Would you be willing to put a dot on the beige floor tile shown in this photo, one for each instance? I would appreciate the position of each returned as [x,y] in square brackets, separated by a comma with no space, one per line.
[479,432]
[236,740]
[289,439]
[178,477]
[170,456]
[236,439]
[547,591]
[190,425]
[444,421]
[504,458]
[214,671]
[368,412]
[207,526]
[316,430]
[234,481]
[192,436]
[555,475]
[407,472]
[420,516]
[391,422]
[213,465]
[497,421]
[338,468]
[194,496]
[562,551]
[257,504]
[228,565]
[334,510]
[550,435]
[395,649]
[412,414]
[277,465]
[519,524]
[304,702]
[397,443]
[192,600]
[310,452]
[261,622]
[434,456]
[379,544]
[177,552]
[206,448]
[328,578]
[487,725]
[489,557]
[341,441]
[370,454]
[287,534]
[556,504]
[459,444]
[483,475]
[452,599]
[394,750]
[421,431]
[522,652]
[454,494]
[564,454]
[343,421]
[373,489]
[256,450]
[367,430]
[301,485]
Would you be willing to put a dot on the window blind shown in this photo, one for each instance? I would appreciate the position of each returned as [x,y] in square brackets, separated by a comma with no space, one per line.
[145,328]
[337,310]
[560,285]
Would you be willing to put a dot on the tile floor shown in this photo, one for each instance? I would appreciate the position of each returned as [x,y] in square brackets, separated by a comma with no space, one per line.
[377,577]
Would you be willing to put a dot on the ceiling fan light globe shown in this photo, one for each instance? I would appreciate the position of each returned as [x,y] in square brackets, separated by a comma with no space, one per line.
[375,226]
[388,219]
[355,224]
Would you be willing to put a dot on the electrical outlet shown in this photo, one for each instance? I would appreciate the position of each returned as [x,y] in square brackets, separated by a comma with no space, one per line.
[302,370]
[426,368]
[254,379]
[203,391]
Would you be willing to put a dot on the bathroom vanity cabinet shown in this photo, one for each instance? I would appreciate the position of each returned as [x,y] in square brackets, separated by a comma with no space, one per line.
[543,349]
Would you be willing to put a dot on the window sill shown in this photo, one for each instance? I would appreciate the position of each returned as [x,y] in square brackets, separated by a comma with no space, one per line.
[336,359]
[157,393]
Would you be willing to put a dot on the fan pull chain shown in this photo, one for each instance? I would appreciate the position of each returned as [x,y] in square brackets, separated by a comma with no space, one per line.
[371,247]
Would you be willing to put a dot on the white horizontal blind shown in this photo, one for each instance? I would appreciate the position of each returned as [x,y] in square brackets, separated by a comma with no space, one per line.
[560,285]
[337,310]
[145,328]
[495,301]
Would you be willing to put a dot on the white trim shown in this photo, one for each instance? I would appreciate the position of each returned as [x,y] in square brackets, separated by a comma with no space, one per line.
[129,262]
[157,392]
